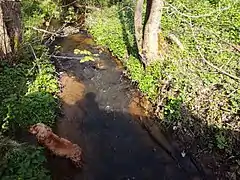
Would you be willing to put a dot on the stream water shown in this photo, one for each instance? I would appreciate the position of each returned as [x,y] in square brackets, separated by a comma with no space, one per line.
[98,113]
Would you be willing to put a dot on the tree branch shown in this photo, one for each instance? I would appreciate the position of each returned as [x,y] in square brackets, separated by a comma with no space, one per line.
[75,4]
[43,30]
[209,63]
[197,16]
[67,57]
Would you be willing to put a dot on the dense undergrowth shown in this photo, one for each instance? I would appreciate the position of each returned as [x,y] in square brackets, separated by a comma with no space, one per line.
[27,96]
[195,86]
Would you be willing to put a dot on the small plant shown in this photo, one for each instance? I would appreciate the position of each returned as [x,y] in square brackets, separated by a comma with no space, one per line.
[82,52]
[25,163]
[221,141]
[172,109]
[87,58]
[70,16]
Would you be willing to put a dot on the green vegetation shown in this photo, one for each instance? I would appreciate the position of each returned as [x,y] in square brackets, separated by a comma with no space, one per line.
[196,84]
[88,56]
[27,96]
[25,162]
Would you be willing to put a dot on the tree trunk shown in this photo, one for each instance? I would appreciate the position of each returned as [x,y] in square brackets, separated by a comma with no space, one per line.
[10,28]
[138,25]
[151,31]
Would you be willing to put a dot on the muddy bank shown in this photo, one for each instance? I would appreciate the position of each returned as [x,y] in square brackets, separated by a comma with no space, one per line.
[102,112]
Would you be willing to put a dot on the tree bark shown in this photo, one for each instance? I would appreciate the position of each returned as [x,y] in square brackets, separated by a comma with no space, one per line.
[151,32]
[10,28]
[138,24]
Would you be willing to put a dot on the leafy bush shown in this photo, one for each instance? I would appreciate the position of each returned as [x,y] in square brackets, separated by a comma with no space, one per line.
[100,27]
[33,108]
[21,161]
[36,13]
[25,163]
[27,96]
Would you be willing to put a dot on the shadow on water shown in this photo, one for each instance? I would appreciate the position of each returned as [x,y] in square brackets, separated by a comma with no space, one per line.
[114,145]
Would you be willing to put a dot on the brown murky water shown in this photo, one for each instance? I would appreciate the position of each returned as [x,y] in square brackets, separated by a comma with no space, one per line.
[100,112]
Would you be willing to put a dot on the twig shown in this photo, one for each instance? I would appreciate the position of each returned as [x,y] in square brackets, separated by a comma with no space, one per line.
[197,16]
[80,6]
[67,57]
[71,3]
[87,7]
[50,39]
[215,67]
[236,47]
[34,54]
[47,26]
[209,63]
[176,40]
[43,30]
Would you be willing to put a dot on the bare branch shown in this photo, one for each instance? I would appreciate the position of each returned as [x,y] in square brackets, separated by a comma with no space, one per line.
[74,3]
[197,16]
[43,30]
[34,54]
[67,57]
[209,63]
[174,38]
[215,67]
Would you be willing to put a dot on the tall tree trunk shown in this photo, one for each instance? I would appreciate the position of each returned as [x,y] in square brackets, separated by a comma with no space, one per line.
[10,27]
[138,25]
[151,32]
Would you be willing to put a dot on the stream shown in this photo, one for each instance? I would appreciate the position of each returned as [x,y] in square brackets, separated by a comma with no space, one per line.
[100,114]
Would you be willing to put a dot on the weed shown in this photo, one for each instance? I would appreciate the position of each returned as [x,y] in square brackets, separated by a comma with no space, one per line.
[25,163]
[221,141]
[172,109]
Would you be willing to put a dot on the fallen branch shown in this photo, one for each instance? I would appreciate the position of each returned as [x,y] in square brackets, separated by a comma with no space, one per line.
[75,4]
[215,67]
[197,16]
[67,57]
[51,39]
[176,40]
[43,30]
[209,63]
[236,47]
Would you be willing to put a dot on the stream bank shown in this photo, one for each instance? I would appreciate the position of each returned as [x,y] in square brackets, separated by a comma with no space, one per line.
[102,112]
